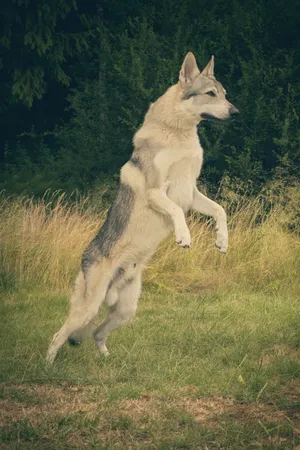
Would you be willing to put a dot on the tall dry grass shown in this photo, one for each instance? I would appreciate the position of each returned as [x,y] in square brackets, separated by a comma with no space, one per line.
[264,244]
[42,242]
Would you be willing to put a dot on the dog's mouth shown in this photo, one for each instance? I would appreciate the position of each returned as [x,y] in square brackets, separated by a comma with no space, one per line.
[207,116]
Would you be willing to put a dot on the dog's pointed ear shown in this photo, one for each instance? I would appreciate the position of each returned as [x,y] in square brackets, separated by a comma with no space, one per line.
[189,71]
[209,69]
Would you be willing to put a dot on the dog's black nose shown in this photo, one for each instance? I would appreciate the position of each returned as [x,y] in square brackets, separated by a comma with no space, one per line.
[233,110]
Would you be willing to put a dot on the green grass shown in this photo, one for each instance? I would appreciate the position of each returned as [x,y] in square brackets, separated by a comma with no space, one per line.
[211,360]
[224,345]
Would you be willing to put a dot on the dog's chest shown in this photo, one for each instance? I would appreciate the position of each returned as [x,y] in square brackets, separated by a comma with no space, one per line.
[182,177]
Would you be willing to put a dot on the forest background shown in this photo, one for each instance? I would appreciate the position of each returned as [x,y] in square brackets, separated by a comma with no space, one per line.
[77,78]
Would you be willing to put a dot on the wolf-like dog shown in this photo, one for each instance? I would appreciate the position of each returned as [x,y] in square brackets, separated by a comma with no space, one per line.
[157,188]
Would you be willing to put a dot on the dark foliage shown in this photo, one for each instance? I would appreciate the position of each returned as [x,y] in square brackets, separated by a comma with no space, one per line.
[122,56]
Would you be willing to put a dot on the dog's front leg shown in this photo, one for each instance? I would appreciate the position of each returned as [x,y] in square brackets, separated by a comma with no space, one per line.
[208,207]
[160,202]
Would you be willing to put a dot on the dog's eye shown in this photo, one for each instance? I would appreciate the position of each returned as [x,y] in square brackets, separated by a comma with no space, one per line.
[189,95]
[211,93]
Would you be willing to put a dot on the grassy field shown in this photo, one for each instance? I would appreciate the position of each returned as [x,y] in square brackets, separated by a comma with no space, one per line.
[211,360]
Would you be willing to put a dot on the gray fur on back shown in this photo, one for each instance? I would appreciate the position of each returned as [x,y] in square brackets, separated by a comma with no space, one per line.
[142,158]
[114,226]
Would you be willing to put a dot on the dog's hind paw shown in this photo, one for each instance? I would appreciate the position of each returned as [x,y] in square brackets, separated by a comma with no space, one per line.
[50,357]
[103,350]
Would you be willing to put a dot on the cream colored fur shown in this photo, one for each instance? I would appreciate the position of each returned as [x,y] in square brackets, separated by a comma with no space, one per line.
[164,190]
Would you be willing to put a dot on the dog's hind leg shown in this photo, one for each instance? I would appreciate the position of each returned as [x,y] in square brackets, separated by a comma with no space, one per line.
[121,312]
[88,296]
[79,336]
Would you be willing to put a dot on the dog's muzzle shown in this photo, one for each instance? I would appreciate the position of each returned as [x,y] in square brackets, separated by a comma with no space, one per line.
[233,110]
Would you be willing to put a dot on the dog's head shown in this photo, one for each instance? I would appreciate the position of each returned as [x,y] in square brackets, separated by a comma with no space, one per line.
[202,96]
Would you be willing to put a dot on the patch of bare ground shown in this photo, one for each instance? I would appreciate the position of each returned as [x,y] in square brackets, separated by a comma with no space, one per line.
[35,402]
[291,393]
[46,401]
[279,351]
[215,409]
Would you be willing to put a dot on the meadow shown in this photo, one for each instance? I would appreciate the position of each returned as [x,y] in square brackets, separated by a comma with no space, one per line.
[211,360]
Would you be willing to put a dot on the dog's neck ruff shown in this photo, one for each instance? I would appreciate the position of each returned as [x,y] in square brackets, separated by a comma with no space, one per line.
[167,110]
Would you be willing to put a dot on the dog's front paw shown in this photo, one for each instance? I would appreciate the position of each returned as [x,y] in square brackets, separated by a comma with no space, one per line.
[222,241]
[183,237]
